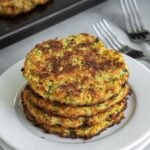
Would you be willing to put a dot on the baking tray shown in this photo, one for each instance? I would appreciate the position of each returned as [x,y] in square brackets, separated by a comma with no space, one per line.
[17,28]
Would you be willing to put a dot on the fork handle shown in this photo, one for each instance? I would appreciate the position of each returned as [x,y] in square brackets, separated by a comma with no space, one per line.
[148,38]
[131,52]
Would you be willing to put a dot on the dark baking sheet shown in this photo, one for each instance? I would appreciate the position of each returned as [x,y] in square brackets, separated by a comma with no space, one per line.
[15,29]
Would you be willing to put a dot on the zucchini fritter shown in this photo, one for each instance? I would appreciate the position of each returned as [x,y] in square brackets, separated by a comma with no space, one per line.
[77,70]
[16,7]
[72,111]
[52,120]
[82,132]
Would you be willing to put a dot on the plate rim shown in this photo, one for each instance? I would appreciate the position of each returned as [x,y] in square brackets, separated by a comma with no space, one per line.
[126,57]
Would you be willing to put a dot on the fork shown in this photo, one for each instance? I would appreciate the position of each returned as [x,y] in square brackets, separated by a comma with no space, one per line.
[135,27]
[104,31]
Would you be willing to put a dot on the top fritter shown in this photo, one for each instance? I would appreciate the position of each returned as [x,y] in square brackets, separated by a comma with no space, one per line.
[77,70]
[16,7]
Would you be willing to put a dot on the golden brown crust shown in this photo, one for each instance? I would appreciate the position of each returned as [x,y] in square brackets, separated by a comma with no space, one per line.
[16,7]
[71,111]
[82,132]
[76,86]
[77,70]
[52,120]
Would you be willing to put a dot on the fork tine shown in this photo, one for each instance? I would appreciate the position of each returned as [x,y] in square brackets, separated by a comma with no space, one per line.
[127,15]
[131,16]
[112,35]
[101,33]
[108,32]
[102,26]
[142,27]
[132,7]
[134,15]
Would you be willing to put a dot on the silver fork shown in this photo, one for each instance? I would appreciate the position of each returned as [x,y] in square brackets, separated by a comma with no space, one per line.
[104,31]
[135,27]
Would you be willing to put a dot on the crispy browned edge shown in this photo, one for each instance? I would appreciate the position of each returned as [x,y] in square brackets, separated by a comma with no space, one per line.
[35,123]
[34,92]
[55,114]
[84,123]
[98,102]
[73,137]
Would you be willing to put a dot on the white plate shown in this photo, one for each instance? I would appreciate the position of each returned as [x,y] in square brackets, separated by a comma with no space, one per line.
[20,134]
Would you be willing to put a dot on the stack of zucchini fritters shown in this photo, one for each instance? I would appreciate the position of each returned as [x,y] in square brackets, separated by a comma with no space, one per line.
[76,86]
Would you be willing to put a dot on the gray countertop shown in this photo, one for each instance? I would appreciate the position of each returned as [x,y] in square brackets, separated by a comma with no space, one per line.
[111,10]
